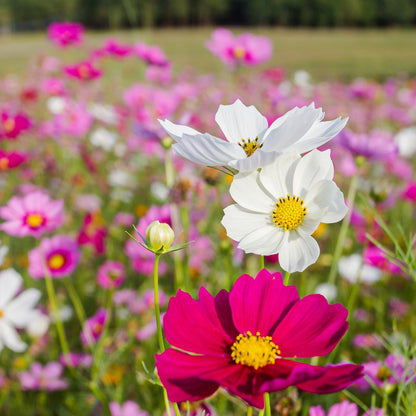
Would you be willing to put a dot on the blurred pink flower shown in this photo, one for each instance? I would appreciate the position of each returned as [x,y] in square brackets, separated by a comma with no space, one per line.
[93,327]
[10,160]
[58,256]
[344,408]
[83,71]
[113,47]
[152,55]
[34,214]
[46,377]
[75,359]
[111,274]
[128,408]
[93,232]
[245,49]
[65,33]
[12,125]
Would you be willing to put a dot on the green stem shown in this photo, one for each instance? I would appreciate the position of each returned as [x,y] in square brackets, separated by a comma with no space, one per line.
[184,213]
[100,396]
[76,301]
[286,280]
[58,322]
[261,262]
[268,411]
[343,231]
[166,400]
[249,411]
[157,307]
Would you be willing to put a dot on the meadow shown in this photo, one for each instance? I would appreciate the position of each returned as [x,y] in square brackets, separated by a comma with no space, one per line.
[266,267]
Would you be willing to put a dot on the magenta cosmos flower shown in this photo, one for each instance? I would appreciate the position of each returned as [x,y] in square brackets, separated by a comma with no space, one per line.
[245,342]
[34,214]
[111,274]
[65,33]
[58,256]
[46,377]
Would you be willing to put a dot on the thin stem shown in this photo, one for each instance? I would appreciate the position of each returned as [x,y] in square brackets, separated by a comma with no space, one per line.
[165,398]
[268,411]
[286,280]
[261,262]
[58,322]
[249,411]
[76,301]
[157,307]
[343,231]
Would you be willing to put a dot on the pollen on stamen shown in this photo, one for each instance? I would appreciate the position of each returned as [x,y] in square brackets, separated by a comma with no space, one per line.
[289,212]
[250,146]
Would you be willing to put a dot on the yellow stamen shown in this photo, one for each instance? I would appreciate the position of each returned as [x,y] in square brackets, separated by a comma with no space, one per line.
[1,313]
[9,125]
[239,52]
[56,261]
[289,212]
[250,146]
[34,220]
[254,350]
[4,163]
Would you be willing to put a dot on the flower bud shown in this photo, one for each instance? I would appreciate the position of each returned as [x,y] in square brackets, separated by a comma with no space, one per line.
[159,235]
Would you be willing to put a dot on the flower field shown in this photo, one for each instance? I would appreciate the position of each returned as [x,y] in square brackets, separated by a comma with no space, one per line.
[183,242]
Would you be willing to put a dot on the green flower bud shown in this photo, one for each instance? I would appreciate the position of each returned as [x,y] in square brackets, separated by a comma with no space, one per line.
[159,236]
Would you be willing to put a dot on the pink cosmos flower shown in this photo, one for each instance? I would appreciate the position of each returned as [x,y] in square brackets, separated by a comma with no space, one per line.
[245,49]
[84,71]
[111,274]
[93,232]
[58,256]
[245,342]
[46,377]
[114,47]
[76,359]
[53,86]
[74,120]
[152,55]
[10,160]
[93,327]
[344,408]
[12,125]
[65,33]
[375,256]
[129,408]
[34,214]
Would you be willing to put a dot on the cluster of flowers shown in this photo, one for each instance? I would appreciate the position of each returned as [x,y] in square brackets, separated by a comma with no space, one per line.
[85,168]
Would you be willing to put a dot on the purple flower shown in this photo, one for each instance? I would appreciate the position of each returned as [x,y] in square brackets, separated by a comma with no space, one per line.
[46,377]
[93,327]
[58,256]
[34,214]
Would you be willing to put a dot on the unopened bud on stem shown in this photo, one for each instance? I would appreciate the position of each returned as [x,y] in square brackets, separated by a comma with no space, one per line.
[159,236]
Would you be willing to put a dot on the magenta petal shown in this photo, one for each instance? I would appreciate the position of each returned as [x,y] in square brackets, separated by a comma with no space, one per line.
[180,374]
[194,326]
[311,328]
[259,304]
[286,373]
[335,378]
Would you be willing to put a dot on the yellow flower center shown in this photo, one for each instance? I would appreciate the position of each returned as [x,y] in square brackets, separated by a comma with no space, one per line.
[1,313]
[4,163]
[9,125]
[383,373]
[239,52]
[34,220]
[250,146]
[56,261]
[289,212]
[254,350]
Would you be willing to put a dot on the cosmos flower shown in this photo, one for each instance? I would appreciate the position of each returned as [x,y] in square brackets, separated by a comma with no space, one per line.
[46,377]
[15,312]
[111,274]
[279,208]
[65,33]
[250,143]
[12,125]
[344,408]
[57,256]
[151,54]
[128,408]
[10,160]
[93,327]
[84,71]
[33,214]
[245,342]
[245,49]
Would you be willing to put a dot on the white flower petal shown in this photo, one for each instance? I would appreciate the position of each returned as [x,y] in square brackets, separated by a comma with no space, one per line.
[312,168]
[319,134]
[352,268]
[282,135]
[238,221]
[176,131]
[258,159]
[208,150]
[277,177]
[248,192]
[298,252]
[238,121]
[325,202]
[20,311]
[3,253]
[10,282]
[10,338]
[264,241]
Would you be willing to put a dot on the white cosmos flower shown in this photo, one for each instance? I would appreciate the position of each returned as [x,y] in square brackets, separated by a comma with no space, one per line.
[278,208]
[15,312]
[250,143]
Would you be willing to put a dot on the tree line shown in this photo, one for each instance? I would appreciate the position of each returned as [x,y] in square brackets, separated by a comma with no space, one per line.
[104,14]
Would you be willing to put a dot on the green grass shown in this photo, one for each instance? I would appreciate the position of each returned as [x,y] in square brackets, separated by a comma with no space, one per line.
[326,54]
